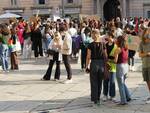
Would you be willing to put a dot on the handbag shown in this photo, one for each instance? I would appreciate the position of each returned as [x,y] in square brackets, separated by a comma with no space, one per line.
[18,46]
[51,52]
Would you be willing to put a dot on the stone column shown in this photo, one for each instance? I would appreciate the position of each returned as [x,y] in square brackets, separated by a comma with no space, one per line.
[98,8]
[124,5]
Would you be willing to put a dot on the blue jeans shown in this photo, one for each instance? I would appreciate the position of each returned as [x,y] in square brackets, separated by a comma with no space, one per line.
[109,85]
[4,56]
[123,90]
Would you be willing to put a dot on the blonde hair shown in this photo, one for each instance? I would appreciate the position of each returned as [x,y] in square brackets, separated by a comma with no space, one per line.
[95,34]
[57,36]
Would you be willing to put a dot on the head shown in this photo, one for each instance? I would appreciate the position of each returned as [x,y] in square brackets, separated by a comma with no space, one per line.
[87,31]
[111,36]
[57,36]
[146,35]
[121,42]
[95,34]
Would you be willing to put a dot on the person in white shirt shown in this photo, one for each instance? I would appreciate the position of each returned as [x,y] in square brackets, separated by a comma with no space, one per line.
[118,30]
[72,30]
[66,51]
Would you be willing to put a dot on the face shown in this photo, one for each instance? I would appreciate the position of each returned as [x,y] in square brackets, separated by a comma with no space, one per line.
[93,36]
[110,39]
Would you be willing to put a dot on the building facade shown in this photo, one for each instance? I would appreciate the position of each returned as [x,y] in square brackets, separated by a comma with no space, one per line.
[129,8]
[27,8]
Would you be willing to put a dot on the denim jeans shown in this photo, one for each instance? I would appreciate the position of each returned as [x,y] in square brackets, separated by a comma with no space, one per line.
[121,76]
[4,56]
[109,85]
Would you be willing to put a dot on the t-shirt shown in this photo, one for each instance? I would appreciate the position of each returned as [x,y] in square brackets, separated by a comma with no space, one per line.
[97,50]
[145,47]
[109,49]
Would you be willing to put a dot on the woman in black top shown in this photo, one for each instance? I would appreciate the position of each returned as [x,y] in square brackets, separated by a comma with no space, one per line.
[96,53]
[36,38]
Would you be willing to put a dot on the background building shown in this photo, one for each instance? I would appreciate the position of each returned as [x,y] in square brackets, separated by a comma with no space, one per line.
[129,8]
[45,8]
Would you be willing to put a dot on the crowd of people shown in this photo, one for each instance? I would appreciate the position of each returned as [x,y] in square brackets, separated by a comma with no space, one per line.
[102,47]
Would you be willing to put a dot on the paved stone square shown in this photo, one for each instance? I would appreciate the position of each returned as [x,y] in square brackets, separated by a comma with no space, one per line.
[23,92]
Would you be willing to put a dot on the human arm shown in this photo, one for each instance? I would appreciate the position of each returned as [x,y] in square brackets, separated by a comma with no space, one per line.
[116,54]
[142,53]
[88,58]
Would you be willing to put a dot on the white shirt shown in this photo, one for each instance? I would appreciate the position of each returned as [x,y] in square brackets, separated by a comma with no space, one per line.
[73,32]
[67,44]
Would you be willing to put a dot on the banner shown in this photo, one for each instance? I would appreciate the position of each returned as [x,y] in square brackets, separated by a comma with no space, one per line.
[133,42]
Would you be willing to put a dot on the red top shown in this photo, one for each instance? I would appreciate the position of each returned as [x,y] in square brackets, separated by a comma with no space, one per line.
[123,56]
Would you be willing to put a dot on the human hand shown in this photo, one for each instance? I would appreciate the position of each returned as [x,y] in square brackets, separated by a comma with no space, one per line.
[148,54]
[87,70]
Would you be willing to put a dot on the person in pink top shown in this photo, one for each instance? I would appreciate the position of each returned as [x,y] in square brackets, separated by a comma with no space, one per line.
[20,30]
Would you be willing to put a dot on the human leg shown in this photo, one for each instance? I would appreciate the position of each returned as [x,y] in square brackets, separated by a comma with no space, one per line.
[67,66]
[57,71]
[47,76]
[112,87]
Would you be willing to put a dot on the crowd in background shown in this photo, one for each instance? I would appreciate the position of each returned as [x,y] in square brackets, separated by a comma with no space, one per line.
[101,46]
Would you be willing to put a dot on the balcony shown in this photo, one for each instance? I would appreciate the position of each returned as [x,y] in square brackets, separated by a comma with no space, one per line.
[14,9]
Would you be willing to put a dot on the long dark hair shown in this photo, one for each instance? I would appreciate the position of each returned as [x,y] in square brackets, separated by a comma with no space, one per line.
[121,42]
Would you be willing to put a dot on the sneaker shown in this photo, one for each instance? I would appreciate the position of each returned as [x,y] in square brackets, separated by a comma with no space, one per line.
[57,80]
[132,68]
[112,99]
[105,98]
[129,99]
[68,81]
[148,101]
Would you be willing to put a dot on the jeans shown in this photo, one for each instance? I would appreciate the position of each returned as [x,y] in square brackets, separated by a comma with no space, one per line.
[109,85]
[96,76]
[47,76]
[123,90]
[4,56]
[67,66]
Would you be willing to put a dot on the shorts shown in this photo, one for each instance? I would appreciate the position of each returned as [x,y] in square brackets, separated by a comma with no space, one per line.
[146,74]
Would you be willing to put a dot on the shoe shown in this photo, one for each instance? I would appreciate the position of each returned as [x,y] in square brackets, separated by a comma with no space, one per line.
[112,99]
[98,103]
[129,99]
[7,71]
[122,104]
[148,101]
[43,79]
[132,68]
[68,81]
[105,98]
[56,80]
